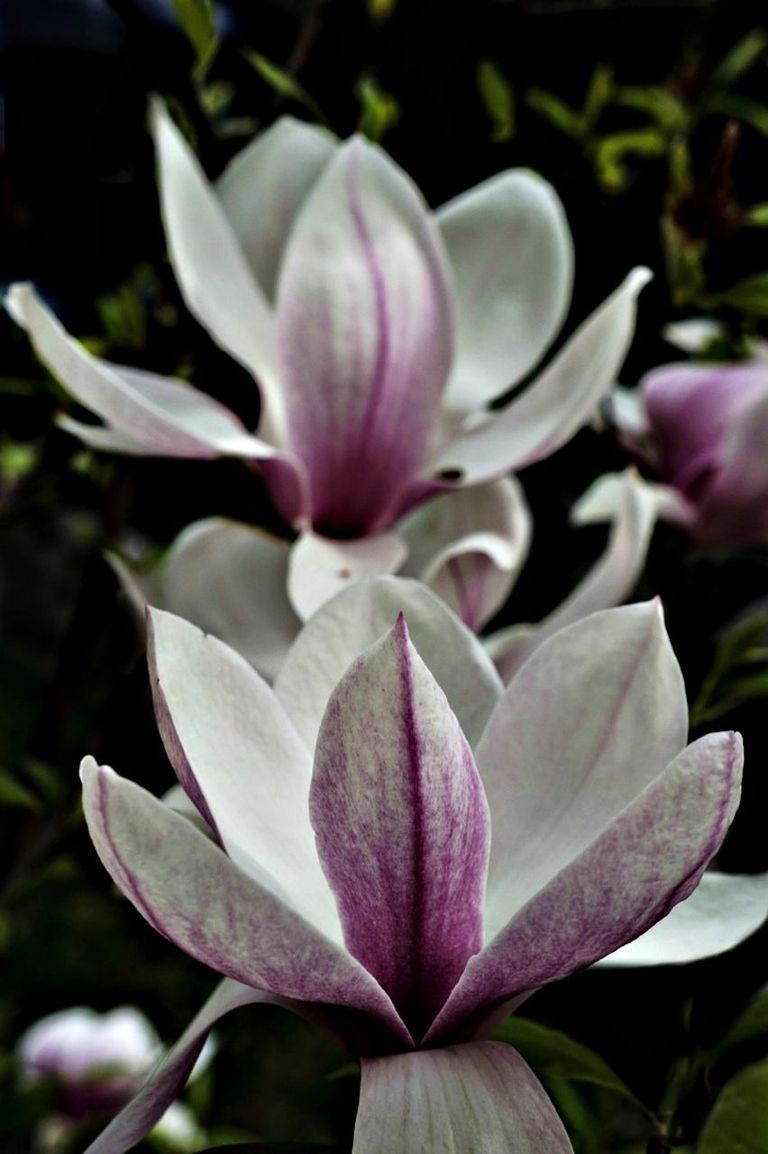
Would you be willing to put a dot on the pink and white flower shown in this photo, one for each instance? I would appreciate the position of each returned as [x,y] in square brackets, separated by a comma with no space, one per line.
[403,850]
[378,334]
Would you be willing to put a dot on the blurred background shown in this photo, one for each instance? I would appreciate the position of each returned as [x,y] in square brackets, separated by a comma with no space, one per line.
[651,121]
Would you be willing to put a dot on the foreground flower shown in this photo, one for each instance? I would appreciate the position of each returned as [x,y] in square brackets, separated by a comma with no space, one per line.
[352,876]
[378,334]
[97,1061]
[704,428]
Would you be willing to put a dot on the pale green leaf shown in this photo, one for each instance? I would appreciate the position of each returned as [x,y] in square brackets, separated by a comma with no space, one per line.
[282,82]
[498,99]
[380,111]
[557,112]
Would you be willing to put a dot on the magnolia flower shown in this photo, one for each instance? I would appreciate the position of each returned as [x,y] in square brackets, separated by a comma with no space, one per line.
[367,869]
[98,1061]
[230,578]
[704,429]
[378,333]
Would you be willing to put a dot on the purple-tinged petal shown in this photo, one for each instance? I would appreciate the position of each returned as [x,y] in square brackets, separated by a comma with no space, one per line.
[351,622]
[480,1098]
[190,891]
[735,508]
[649,858]
[402,826]
[230,579]
[511,252]
[319,568]
[241,761]
[365,334]
[632,505]
[166,416]
[692,410]
[212,270]
[469,547]
[588,722]
[264,186]
[562,398]
[723,911]
[169,1076]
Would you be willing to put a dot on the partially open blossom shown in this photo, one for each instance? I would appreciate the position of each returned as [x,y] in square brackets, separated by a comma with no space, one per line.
[97,1061]
[230,578]
[704,429]
[402,850]
[378,334]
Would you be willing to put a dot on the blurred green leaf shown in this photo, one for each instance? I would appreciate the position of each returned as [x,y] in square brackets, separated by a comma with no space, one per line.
[216,98]
[611,152]
[12,793]
[753,1023]
[554,1055]
[381,10]
[18,387]
[124,317]
[17,460]
[749,295]
[197,18]
[599,94]
[737,107]
[731,680]
[738,1123]
[380,111]
[757,216]
[741,57]
[283,83]
[498,99]
[557,112]
[659,103]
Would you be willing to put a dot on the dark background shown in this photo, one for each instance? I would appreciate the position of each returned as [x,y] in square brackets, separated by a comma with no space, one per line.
[80,217]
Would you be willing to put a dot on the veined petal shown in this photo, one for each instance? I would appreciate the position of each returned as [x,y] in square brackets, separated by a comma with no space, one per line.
[557,403]
[320,567]
[723,911]
[264,186]
[170,1074]
[190,891]
[588,722]
[512,257]
[365,335]
[649,858]
[469,547]
[351,622]
[166,416]
[212,270]
[402,826]
[241,761]
[230,579]
[633,506]
[480,1098]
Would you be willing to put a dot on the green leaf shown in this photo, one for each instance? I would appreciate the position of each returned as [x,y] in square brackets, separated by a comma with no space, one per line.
[599,93]
[611,152]
[16,795]
[741,57]
[753,1023]
[498,99]
[553,1055]
[737,107]
[738,1123]
[381,10]
[659,103]
[197,19]
[731,680]
[282,82]
[557,112]
[380,111]
[749,295]
[757,216]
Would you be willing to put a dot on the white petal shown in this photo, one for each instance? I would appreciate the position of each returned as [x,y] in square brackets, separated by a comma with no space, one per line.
[319,567]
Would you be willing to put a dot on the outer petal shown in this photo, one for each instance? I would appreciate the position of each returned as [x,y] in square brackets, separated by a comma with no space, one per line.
[633,506]
[365,339]
[166,416]
[722,912]
[345,626]
[480,1098]
[320,567]
[171,1073]
[469,547]
[402,826]
[648,859]
[557,403]
[264,186]
[240,760]
[212,270]
[589,721]
[230,579]
[512,256]
[192,893]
